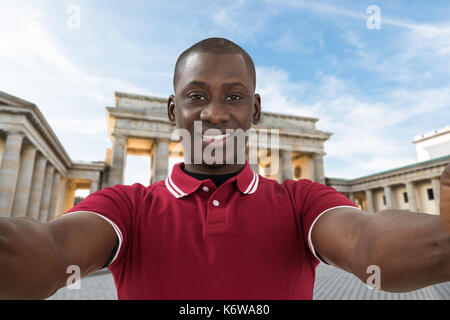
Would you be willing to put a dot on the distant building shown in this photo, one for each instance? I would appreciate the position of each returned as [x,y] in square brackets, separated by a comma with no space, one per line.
[433,145]
[415,187]
[37,177]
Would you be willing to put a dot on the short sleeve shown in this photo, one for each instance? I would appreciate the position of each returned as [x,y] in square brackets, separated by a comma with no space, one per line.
[312,200]
[116,205]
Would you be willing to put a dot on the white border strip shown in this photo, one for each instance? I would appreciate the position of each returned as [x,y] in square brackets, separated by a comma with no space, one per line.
[116,229]
[310,244]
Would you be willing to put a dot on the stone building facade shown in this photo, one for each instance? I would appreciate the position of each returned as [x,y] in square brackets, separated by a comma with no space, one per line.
[37,177]
[414,187]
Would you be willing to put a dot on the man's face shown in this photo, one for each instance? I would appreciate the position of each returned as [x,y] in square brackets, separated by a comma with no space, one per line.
[217,91]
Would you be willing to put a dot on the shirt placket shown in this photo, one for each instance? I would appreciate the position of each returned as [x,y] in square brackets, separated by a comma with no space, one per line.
[216,218]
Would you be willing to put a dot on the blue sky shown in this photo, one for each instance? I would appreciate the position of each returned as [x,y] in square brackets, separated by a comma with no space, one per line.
[375,90]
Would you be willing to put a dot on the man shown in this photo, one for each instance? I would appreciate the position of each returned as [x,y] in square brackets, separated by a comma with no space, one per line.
[217,230]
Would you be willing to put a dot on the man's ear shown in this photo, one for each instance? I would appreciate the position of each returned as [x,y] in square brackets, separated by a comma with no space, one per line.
[256,109]
[171,109]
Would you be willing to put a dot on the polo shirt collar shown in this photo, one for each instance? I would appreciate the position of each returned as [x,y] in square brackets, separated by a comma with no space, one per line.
[181,184]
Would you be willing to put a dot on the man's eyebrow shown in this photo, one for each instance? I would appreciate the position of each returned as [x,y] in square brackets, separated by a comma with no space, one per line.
[233,84]
[197,83]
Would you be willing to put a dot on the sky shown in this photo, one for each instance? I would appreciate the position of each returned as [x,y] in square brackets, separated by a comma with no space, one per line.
[373,84]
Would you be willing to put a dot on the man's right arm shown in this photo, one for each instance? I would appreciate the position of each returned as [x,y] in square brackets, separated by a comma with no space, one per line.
[34,256]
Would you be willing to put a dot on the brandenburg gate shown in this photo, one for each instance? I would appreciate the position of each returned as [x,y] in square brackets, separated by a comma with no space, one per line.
[139,125]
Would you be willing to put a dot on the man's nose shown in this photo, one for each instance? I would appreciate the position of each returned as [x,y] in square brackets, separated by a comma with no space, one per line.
[214,113]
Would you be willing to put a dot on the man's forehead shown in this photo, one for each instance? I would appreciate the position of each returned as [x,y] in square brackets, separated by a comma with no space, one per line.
[206,65]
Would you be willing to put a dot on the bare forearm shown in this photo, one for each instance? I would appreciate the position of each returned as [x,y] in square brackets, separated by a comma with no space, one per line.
[412,250]
[30,266]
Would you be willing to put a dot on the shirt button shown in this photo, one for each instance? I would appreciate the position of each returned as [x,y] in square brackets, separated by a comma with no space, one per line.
[215,203]
[205,188]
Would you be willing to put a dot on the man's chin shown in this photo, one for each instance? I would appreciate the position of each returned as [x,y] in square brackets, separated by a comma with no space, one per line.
[215,166]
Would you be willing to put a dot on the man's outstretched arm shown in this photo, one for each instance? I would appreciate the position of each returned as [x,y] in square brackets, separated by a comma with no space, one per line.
[412,250]
[34,256]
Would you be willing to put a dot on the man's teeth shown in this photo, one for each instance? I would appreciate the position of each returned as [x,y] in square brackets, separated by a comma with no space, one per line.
[215,137]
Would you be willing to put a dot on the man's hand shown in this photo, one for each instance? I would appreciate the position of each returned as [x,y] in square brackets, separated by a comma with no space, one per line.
[445,198]
[34,255]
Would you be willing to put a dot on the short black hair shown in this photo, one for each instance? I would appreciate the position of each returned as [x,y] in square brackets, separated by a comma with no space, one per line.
[215,46]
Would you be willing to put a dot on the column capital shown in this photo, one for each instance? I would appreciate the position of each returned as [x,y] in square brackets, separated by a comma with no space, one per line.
[15,134]
[29,147]
[319,154]
[118,137]
[71,185]
[157,141]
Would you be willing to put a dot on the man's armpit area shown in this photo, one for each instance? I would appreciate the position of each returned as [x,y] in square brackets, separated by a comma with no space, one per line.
[86,239]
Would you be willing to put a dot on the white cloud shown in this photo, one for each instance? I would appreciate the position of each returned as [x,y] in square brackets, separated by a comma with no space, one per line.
[366,133]
[35,67]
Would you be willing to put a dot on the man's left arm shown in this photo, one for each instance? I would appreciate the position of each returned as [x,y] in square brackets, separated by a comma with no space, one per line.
[412,250]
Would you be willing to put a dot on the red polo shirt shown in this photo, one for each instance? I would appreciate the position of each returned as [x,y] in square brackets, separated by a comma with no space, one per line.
[183,238]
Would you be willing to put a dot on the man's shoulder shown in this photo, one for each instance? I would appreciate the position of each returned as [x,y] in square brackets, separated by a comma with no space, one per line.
[296,188]
[288,183]
[133,190]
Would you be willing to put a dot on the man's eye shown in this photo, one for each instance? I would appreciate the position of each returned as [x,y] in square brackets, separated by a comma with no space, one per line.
[196,97]
[233,97]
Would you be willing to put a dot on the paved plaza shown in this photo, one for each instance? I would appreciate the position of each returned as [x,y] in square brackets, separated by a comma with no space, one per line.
[331,284]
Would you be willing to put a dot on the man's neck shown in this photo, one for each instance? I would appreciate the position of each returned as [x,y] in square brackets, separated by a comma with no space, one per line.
[212,170]
[217,178]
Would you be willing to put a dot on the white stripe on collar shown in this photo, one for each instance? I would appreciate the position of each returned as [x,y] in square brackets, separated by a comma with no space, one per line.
[171,190]
[174,186]
[255,185]
[178,193]
[251,184]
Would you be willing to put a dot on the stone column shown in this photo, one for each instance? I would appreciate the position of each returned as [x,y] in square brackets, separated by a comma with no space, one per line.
[2,147]
[37,187]
[319,174]
[46,193]
[388,196]
[61,197]
[285,165]
[118,160]
[54,195]
[160,160]
[369,201]
[9,171]
[69,195]
[436,184]
[94,186]
[411,197]
[24,180]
